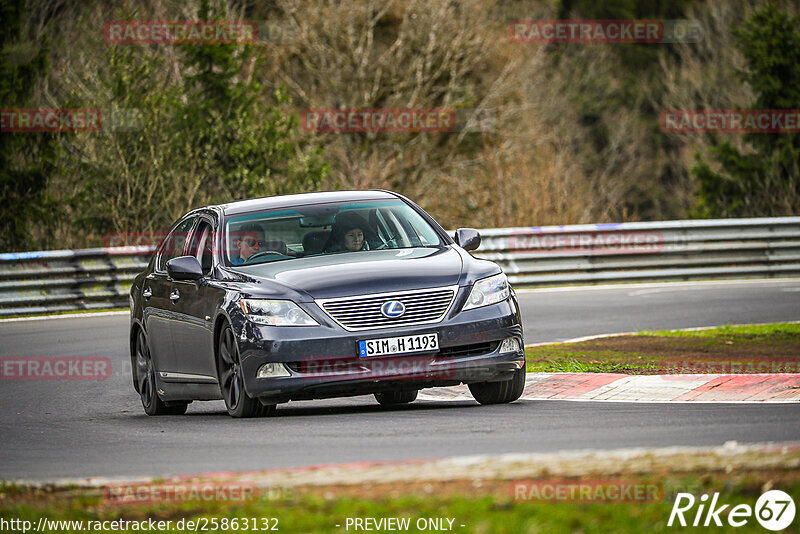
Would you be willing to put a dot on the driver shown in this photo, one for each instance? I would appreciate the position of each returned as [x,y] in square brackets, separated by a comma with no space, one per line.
[250,240]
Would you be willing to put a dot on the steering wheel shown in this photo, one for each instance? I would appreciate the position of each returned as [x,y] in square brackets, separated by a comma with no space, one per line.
[264,253]
[385,244]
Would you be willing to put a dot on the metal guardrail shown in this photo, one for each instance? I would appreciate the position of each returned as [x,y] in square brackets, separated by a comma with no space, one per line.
[646,251]
[37,282]
[63,280]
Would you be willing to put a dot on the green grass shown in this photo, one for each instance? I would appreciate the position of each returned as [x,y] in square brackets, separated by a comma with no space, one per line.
[478,513]
[564,359]
[571,365]
[654,352]
[777,331]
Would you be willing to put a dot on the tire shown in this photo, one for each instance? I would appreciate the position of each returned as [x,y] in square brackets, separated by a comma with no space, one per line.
[394,398]
[231,382]
[499,392]
[146,382]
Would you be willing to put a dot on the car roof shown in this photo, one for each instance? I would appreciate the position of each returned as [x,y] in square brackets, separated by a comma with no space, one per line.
[285,201]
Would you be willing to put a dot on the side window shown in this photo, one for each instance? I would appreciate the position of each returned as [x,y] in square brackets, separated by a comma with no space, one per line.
[174,244]
[202,246]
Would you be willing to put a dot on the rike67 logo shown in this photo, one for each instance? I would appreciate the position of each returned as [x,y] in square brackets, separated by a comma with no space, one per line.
[774,510]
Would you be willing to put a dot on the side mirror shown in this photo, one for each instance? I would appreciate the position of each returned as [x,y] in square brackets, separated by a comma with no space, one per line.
[468,238]
[184,268]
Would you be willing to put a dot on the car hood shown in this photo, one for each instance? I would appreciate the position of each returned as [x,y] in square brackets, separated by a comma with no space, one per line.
[364,272]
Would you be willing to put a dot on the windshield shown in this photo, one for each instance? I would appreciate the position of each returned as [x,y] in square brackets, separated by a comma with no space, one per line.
[333,228]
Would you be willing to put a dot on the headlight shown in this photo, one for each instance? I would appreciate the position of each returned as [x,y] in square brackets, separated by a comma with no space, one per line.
[275,312]
[488,291]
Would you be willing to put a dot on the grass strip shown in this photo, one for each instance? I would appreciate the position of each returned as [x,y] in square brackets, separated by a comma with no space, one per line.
[512,507]
[770,348]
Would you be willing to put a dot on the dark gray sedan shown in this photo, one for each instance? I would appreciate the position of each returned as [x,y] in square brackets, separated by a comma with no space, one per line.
[320,295]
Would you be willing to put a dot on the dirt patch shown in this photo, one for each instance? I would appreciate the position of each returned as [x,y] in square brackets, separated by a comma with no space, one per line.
[667,485]
[749,467]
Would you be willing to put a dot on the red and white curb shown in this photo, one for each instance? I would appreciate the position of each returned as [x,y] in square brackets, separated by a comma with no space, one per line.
[646,388]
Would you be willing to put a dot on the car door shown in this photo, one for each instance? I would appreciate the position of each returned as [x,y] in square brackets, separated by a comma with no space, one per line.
[192,329]
[158,311]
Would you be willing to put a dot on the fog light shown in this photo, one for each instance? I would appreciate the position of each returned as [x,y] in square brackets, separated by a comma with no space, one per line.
[272,370]
[510,345]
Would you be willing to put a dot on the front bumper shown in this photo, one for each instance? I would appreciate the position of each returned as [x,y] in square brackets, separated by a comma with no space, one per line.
[323,360]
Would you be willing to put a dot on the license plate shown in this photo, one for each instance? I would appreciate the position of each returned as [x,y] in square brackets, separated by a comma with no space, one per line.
[397,345]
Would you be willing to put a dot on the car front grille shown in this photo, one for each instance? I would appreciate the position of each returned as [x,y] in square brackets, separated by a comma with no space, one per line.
[364,313]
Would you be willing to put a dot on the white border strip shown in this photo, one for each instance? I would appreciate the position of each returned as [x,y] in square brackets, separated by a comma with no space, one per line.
[429,398]
[76,315]
[648,285]
[629,401]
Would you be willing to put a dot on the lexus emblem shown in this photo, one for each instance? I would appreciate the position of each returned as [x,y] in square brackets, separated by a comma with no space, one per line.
[393,309]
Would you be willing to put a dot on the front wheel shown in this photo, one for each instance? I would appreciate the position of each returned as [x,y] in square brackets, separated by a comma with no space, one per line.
[146,380]
[499,392]
[231,382]
[393,398]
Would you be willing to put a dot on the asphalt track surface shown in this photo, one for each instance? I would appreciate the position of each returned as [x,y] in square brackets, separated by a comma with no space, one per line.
[53,429]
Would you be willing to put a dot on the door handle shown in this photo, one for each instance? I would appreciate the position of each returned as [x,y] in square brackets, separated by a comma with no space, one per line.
[147,293]
[175,295]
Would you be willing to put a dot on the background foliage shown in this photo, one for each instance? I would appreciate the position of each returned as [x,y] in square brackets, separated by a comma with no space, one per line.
[574,134]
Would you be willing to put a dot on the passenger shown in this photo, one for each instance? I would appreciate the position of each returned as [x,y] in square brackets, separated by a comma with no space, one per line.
[348,234]
[250,240]
[354,240]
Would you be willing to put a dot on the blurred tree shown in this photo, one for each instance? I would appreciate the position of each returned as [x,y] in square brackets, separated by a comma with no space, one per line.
[766,181]
[26,159]
[636,56]
[636,87]
[129,178]
[203,131]
[247,143]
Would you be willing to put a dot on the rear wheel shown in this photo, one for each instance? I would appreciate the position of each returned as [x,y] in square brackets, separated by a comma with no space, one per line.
[146,380]
[393,398]
[231,382]
[499,392]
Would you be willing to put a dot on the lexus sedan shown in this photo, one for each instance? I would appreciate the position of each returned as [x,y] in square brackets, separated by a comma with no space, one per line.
[320,295]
